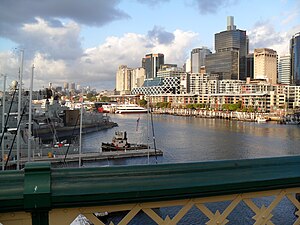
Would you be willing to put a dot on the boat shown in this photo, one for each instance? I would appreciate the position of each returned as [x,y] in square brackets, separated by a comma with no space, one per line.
[261,119]
[130,108]
[119,143]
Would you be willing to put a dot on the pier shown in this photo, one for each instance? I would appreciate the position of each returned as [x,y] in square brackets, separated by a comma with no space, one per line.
[42,195]
[92,156]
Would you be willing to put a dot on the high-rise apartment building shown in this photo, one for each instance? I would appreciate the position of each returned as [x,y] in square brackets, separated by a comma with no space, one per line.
[138,77]
[295,58]
[229,60]
[128,78]
[265,64]
[198,56]
[152,63]
[284,70]
[66,85]
[123,79]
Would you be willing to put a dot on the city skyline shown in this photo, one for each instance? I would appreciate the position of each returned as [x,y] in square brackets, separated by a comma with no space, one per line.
[88,46]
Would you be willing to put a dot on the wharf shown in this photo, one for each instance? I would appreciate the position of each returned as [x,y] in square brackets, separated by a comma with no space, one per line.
[70,131]
[97,156]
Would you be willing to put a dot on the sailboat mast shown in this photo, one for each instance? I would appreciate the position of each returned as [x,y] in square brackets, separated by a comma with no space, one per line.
[19,108]
[30,116]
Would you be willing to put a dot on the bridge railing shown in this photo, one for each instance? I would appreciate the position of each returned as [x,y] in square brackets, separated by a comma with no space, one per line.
[216,192]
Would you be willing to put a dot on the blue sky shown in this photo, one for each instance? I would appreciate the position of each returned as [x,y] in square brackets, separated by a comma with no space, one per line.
[85,41]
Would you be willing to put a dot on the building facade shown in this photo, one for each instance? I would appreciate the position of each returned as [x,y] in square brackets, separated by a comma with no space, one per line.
[152,63]
[284,70]
[250,65]
[138,77]
[265,64]
[231,47]
[123,80]
[295,59]
[198,56]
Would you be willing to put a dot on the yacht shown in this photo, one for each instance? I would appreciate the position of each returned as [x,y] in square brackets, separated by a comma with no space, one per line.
[130,108]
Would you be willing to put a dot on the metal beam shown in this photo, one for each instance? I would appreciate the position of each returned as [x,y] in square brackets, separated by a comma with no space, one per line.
[39,188]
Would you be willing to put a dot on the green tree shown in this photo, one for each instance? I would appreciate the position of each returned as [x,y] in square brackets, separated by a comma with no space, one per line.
[142,102]
[104,99]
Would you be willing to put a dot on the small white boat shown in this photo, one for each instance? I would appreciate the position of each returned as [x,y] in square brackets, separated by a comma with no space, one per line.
[130,108]
[261,119]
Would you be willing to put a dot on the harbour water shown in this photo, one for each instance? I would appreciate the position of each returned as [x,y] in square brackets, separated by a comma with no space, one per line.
[190,139]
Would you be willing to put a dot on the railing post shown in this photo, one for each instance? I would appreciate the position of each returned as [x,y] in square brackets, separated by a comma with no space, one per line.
[37,191]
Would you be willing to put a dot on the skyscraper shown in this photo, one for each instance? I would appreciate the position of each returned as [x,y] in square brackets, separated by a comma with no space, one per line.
[284,70]
[229,60]
[295,59]
[250,65]
[151,63]
[198,56]
[265,64]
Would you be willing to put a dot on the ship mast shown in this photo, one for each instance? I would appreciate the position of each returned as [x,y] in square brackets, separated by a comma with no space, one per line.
[19,108]
[30,116]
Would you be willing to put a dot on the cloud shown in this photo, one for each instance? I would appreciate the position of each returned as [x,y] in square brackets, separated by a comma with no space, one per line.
[129,50]
[59,42]
[264,35]
[14,14]
[93,12]
[152,2]
[102,62]
[212,6]
[97,66]
[160,35]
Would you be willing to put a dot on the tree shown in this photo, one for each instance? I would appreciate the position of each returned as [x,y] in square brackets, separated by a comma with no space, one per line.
[143,102]
[104,99]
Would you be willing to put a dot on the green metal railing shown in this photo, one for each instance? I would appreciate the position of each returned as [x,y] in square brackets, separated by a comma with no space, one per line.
[38,188]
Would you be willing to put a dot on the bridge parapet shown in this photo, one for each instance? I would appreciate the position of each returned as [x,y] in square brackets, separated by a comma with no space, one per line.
[44,195]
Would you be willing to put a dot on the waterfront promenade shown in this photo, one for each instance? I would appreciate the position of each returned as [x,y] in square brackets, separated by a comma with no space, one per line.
[232,115]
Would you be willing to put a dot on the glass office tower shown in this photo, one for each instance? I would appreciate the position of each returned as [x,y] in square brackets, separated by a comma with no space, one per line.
[152,63]
[198,56]
[231,44]
[295,59]
[284,70]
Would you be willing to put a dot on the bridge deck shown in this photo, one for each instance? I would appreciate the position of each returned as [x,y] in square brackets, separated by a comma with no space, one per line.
[50,188]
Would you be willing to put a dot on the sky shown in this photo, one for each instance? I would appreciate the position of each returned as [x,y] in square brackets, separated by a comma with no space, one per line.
[86,41]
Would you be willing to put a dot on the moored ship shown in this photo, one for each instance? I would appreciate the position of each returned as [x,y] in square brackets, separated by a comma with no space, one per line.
[130,108]
[119,143]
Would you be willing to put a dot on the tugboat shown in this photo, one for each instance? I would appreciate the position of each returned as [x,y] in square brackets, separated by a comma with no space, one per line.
[119,143]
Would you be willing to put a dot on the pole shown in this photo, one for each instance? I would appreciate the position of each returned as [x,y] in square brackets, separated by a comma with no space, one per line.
[3,118]
[80,132]
[30,116]
[153,135]
[19,108]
